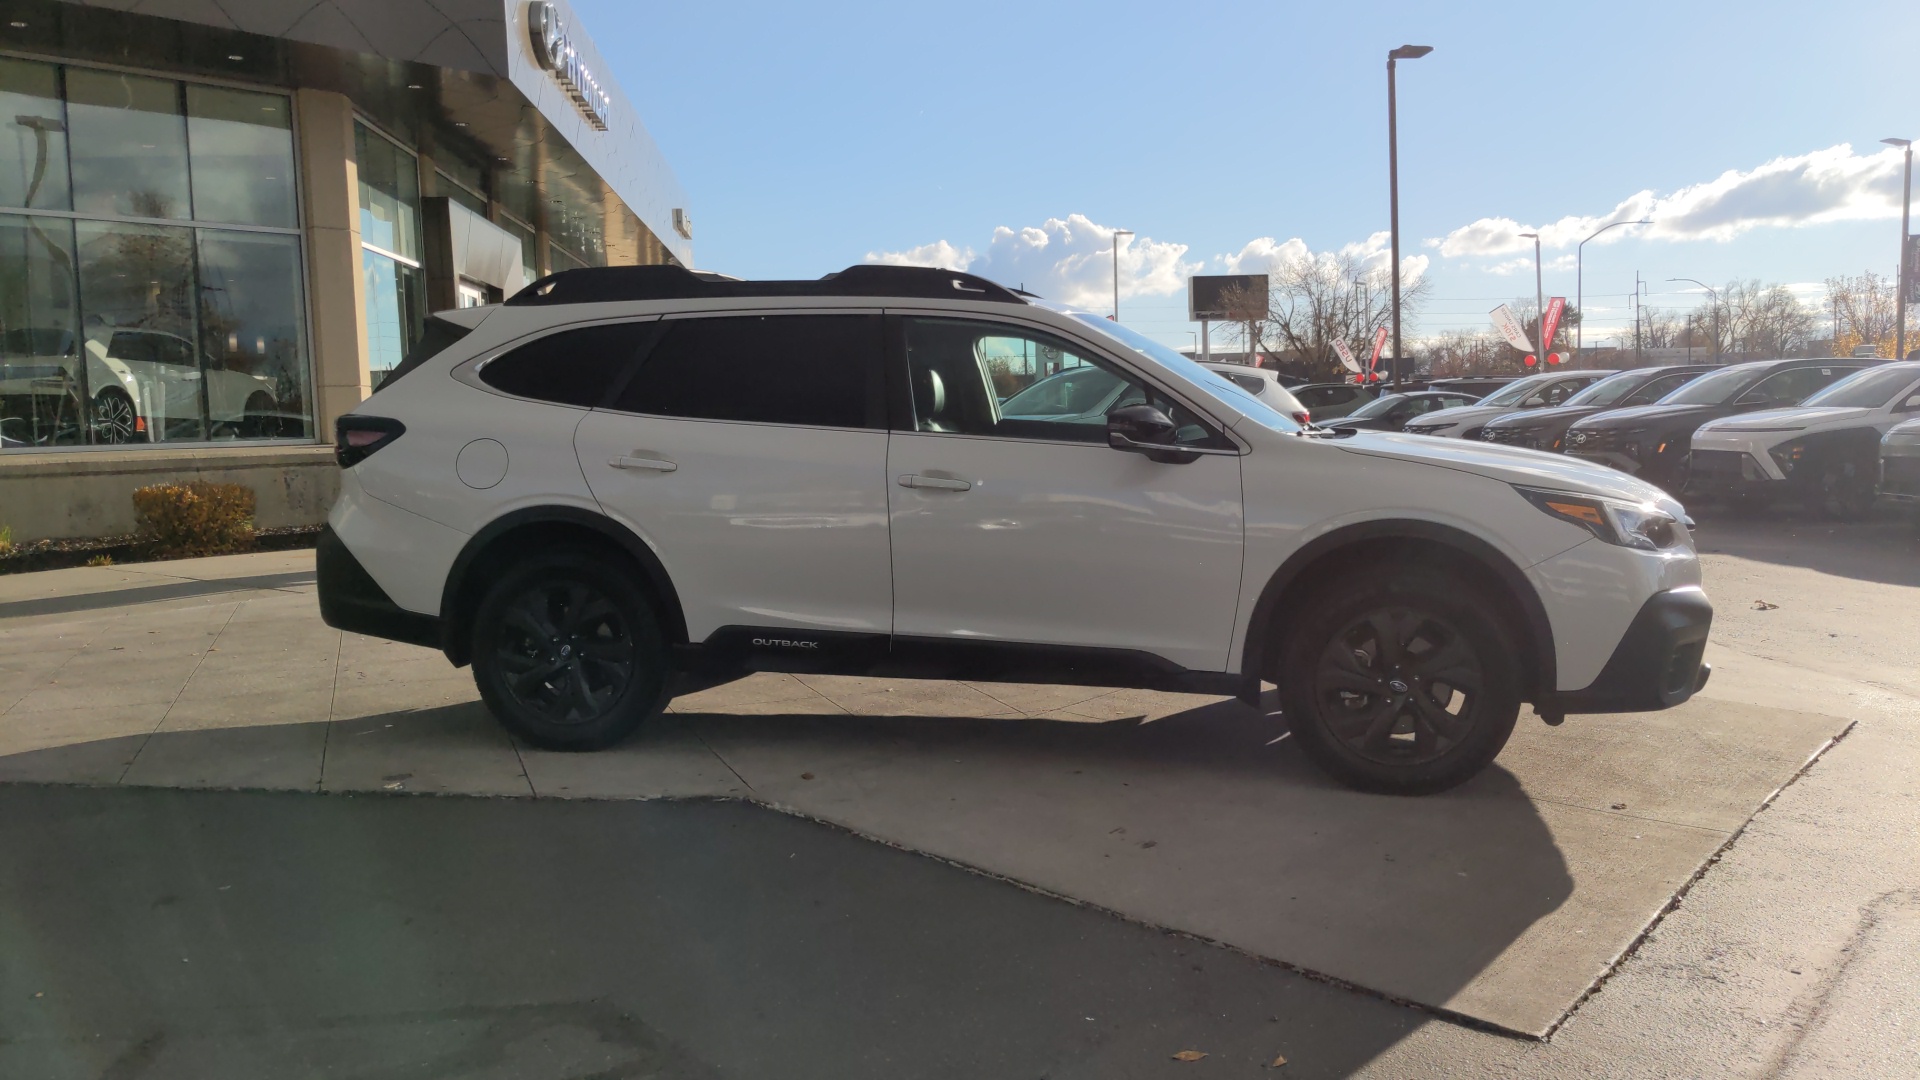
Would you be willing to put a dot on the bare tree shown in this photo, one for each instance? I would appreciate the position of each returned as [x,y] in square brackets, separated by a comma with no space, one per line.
[1864,310]
[1322,299]
[1764,320]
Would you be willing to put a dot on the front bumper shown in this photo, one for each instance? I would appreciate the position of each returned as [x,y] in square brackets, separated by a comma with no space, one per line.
[1729,472]
[1658,663]
[1900,478]
[351,600]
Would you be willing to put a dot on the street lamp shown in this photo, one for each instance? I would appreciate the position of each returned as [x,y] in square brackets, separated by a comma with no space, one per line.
[1900,303]
[1716,312]
[1579,281]
[1404,52]
[1117,234]
[1539,303]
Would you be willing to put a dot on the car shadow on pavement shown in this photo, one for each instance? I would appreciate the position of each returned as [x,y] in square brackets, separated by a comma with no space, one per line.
[1198,821]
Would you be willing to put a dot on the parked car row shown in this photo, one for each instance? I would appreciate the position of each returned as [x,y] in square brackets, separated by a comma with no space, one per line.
[1750,434]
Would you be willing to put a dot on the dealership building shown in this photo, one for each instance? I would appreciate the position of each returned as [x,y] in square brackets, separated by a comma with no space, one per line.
[221,225]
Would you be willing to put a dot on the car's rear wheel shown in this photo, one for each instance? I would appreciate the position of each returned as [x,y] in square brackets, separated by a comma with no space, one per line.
[568,653]
[1400,682]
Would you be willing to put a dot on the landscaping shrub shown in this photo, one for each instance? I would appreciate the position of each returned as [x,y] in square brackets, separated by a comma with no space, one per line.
[196,518]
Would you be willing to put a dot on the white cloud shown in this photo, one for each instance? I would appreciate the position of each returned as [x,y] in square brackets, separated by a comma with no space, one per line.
[1834,184]
[1066,259]
[937,254]
[1267,256]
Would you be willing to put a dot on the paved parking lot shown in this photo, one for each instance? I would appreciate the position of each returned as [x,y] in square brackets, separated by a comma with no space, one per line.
[1503,903]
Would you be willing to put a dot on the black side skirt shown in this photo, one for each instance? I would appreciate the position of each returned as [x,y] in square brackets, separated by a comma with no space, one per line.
[736,649]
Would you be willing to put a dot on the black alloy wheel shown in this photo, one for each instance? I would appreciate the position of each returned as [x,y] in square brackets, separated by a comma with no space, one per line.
[568,654]
[1398,686]
[1403,681]
[114,420]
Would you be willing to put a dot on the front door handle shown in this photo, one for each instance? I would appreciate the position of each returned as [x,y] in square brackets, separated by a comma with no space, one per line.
[653,464]
[935,483]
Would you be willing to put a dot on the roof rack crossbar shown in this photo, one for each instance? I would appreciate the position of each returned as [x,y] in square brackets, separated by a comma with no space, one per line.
[613,284]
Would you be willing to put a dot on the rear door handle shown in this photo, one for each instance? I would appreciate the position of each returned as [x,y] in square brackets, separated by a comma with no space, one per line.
[653,464]
[935,483]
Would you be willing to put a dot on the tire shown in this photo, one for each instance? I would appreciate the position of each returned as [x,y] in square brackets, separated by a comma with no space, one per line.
[1359,715]
[1845,491]
[114,418]
[568,654]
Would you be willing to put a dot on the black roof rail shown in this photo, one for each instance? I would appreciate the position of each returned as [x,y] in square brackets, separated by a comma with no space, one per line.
[610,284]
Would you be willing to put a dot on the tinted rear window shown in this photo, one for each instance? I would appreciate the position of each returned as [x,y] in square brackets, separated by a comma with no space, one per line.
[573,367]
[817,370]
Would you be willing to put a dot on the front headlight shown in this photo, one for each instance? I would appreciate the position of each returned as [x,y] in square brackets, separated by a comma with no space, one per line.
[1787,455]
[1648,526]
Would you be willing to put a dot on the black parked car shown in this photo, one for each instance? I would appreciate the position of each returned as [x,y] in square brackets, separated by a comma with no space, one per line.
[1330,400]
[1652,441]
[1545,429]
[1389,411]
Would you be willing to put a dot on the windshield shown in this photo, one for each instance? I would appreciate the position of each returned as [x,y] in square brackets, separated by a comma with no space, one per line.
[1231,395]
[1072,392]
[1714,389]
[1610,389]
[1378,406]
[1867,389]
[1513,393]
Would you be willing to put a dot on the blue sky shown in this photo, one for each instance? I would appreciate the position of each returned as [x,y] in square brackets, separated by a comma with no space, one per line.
[814,136]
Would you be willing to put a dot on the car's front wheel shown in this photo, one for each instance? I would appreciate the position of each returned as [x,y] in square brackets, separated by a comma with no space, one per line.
[1400,681]
[1846,490]
[114,419]
[567,653]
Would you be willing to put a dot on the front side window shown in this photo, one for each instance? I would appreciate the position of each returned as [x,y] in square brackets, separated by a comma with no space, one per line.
[1657,389]
[1869,389]
[1791,387]
[1715,389]
[813,370]
[1515,392]
[950,371]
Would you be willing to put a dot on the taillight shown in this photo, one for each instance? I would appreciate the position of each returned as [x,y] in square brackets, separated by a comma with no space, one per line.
[1303,417]
[355,438]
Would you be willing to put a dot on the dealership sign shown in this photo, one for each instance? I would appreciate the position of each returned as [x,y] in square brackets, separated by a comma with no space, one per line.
[1509,326]
[1346,356]
[554,49]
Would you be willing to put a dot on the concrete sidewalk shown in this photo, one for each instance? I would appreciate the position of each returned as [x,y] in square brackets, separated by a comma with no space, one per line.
[1504,901]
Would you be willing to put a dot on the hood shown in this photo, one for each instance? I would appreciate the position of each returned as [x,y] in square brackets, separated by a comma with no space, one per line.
[1507,463]
[1459,414]
[1648,416]
[1795,419]
[1559,414]
[1906,427]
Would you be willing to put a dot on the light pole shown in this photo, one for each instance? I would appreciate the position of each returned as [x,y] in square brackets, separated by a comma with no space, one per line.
[1404,52]
[1716,312]
[1539,304]
[1117,234]
[1900,302]
[1580,282]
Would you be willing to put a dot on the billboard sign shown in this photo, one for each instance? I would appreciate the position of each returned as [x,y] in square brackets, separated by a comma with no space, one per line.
[1226,297]
[1505,321]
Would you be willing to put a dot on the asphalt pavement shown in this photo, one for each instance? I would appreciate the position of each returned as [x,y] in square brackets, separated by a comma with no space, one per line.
[212,935]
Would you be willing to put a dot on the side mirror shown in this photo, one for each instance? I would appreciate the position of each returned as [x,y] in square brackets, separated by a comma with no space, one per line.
[1143,429]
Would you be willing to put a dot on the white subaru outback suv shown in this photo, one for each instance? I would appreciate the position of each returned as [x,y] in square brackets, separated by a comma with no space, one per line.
[626,480]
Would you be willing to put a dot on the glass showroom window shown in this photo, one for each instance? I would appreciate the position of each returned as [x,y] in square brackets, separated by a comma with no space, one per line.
[389,249]
[150,286]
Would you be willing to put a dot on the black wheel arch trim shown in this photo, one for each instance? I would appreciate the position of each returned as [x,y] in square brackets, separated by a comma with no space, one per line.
[456,606]
[1262,641]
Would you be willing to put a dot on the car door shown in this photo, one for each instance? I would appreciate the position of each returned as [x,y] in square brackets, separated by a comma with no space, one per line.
[1018,523]
[750,452]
